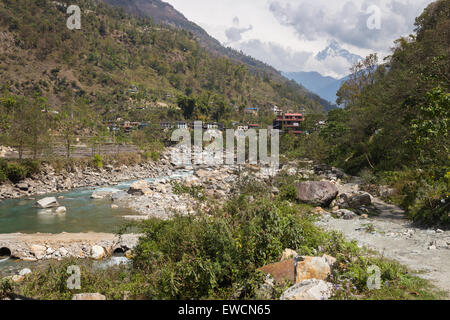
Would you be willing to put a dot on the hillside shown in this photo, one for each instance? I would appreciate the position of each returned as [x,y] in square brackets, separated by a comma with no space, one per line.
[163,13]
[97,67]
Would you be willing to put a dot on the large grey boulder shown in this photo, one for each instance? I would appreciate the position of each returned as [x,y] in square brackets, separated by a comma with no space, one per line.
[312,289]
[49,202]
[317,192]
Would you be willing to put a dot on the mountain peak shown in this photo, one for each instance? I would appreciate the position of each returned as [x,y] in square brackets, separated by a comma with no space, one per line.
[334,49]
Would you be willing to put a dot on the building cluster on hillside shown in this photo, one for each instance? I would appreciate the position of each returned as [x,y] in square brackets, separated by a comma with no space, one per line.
[286,122]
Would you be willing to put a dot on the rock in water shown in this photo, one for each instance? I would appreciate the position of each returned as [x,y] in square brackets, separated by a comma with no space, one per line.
[309,290]
[97,252]
[139,188]
[89,296]
[317,192]
[61,210]
[48,202]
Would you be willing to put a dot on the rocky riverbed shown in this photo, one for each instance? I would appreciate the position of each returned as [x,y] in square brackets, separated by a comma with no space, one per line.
[50,181]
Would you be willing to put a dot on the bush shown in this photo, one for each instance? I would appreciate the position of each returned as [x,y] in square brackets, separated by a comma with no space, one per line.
[98,161]
[3,176]
[15,172]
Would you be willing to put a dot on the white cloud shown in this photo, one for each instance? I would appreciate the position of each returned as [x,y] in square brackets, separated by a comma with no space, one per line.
[346,21]
[288,33]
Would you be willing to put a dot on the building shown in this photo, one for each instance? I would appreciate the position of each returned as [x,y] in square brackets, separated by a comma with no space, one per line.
[166,125]
[253,111]
[277,111]
[182,125]
[289,122]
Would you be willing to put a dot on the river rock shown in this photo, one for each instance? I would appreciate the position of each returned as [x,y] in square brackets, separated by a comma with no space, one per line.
[359,200]
[316,192]
[319,210]
[345,214]
[139,188]
[63,251]
[24,272]
[89,296]
[312,289]
[97,252]
[61,210]
[48,202]
[23,186]
[100,195]
[17,278]
[38,251]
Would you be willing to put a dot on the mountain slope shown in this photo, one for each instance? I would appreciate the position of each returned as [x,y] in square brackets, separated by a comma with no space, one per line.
[98,66]
[163,13]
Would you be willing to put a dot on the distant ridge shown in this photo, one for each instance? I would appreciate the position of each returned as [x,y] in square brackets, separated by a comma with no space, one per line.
[325,87]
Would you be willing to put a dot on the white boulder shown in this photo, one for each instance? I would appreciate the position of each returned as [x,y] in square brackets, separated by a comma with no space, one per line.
[312,289]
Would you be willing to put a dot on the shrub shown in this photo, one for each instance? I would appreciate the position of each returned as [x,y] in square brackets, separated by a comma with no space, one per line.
[3,176]
[15,172]
[98,161]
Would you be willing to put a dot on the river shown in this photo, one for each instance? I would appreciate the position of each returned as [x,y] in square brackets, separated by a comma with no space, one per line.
[83,213]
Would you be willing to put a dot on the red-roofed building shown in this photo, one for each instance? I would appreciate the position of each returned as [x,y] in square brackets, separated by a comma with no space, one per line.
[289,122]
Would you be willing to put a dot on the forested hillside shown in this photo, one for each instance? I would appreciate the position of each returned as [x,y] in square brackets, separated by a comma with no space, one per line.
[95,68]
[395,125]
[163,13]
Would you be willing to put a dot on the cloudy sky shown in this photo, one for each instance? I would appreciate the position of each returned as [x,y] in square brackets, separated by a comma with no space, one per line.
[288,34]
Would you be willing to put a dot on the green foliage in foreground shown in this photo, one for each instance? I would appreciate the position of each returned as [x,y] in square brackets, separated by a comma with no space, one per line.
[215,255]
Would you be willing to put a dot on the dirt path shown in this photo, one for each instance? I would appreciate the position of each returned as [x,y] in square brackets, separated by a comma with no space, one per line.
[424,250]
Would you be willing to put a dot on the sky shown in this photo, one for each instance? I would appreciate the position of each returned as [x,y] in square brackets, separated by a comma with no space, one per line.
[288,34]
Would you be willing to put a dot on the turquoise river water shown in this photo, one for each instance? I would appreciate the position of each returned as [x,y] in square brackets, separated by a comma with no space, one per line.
[83,213]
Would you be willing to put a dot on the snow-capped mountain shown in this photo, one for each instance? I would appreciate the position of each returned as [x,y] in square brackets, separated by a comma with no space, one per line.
[335,50]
